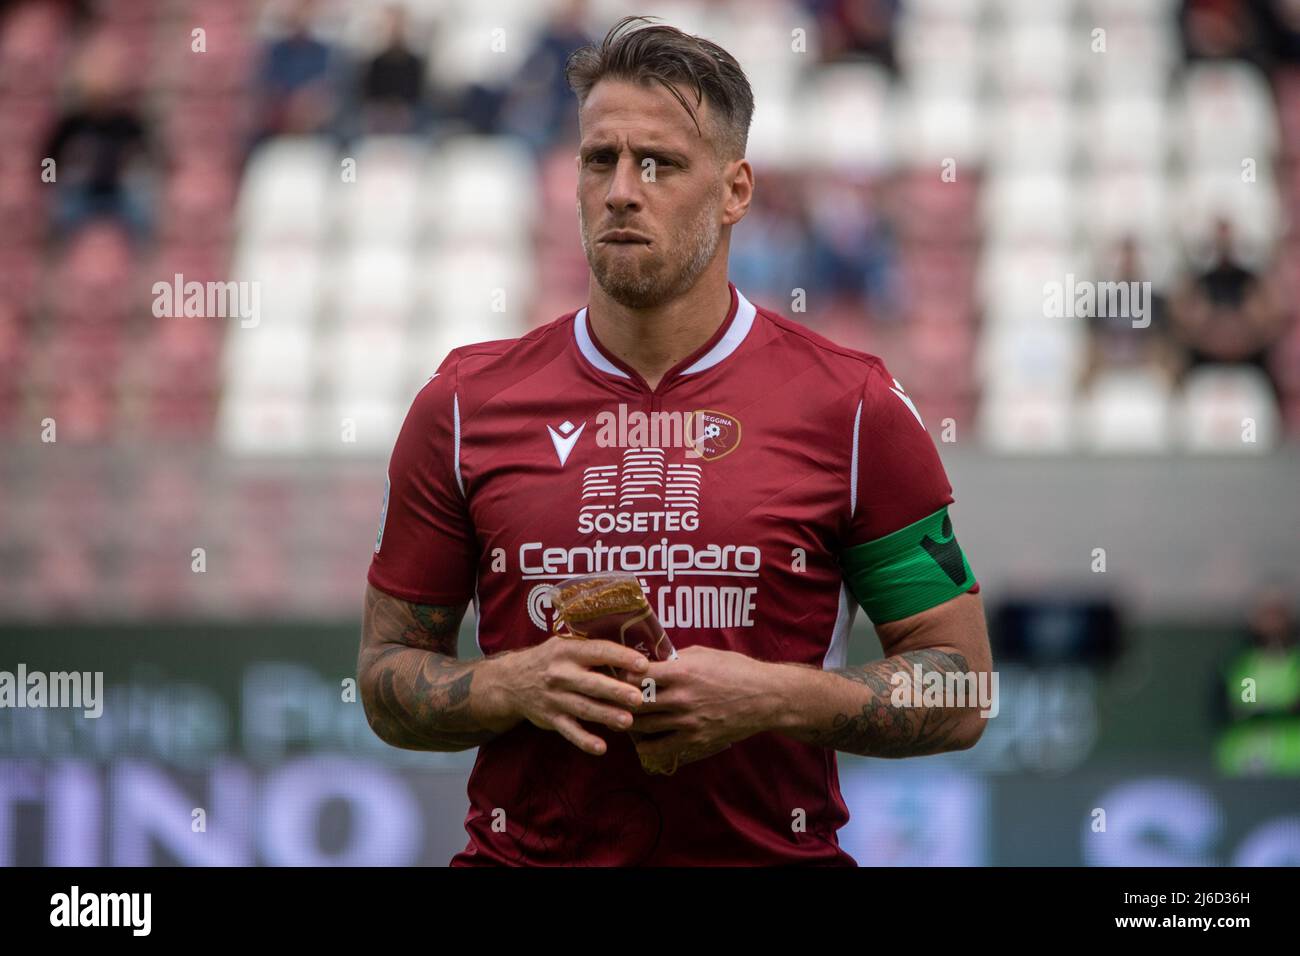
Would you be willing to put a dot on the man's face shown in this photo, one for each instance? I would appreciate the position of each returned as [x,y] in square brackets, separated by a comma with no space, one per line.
[651,196]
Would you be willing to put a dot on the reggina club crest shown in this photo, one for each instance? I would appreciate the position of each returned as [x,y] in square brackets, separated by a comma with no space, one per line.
[714,435]
[706,434]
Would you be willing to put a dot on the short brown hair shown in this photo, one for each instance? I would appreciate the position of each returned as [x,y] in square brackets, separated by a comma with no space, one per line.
[665,55]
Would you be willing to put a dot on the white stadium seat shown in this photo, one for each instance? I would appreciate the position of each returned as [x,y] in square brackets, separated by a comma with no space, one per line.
[1029,206]
[1035,55]
[1253,208]
[1127,411]
[475,284]
[1027,422]
[286,190]
[1041,355]
[382,204]
[289,278]
[362,363]
[1223,407]
[1038,12]
[1112,205]
[1139,56]
[1227,113]
[939,54]
[1161,12]
[1032,133]
[935,126]
[265,426]
[358,425]
[375,287]
[482,43]
[480,186]
[269,360]
[1127,131]
[966,11]
[847,117]
[1011,277]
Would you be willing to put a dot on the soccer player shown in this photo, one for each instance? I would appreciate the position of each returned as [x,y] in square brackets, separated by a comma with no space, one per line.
[808,486]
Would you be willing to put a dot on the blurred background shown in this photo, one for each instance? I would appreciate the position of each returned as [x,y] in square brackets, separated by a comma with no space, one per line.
[190,481]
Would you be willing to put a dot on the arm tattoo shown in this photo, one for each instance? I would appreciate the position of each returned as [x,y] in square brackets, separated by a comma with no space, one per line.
[884,730]
[414,690]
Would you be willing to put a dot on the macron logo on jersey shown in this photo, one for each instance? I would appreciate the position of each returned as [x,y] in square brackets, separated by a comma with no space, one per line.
[897,389]
[565,439]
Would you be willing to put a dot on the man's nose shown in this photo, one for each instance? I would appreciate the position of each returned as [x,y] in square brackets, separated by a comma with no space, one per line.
[626,186]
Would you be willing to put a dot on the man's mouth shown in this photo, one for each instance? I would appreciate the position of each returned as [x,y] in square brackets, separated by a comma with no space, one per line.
[624,237]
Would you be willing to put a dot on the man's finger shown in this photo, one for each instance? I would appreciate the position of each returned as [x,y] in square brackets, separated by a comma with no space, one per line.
[584,708]
[571,731]
[595,653]
[598,685]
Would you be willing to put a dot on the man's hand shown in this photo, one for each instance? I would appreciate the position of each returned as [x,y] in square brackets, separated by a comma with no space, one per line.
[555,684]
[704,701]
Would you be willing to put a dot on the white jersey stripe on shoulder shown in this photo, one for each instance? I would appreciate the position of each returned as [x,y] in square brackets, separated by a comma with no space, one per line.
[588,348]
[853,463]
[740,326]
[455,414]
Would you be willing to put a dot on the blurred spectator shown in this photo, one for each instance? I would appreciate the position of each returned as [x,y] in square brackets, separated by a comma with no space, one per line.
[392,83]
[853,245]
[1215,29]
[539,106]
[1113,341]
[100,146]
[1281,23]
[1259,694]
[770,252]
[1227,313]
[294,89]
[857,29]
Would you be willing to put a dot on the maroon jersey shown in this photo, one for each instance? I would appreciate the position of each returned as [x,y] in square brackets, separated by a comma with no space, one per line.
[730,490]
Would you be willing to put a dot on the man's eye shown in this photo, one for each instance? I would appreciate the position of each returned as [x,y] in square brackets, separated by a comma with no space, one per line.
[598,158]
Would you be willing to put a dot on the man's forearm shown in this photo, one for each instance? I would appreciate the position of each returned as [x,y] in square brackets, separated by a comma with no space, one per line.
[850,709]
[423,700]
[416,693]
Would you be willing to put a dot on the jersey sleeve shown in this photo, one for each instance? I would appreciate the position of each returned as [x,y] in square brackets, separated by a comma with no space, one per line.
[426,551]
[900,555]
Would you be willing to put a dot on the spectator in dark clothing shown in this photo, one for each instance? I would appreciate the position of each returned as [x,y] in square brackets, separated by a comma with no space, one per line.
[1227,313]
[1281,24]
[539,104]
[1115,343]
[294,84]
[100,148]
[392,83]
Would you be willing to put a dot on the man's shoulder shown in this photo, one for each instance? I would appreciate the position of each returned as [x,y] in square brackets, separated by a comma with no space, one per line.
[839,364]
[487,366]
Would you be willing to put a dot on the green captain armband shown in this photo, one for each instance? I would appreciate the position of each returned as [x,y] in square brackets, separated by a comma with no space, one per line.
[909,571]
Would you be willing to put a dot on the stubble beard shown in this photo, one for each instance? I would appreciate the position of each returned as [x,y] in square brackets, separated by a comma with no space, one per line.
[652,284]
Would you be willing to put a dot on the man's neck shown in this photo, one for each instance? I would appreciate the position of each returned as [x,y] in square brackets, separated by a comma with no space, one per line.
[652,341]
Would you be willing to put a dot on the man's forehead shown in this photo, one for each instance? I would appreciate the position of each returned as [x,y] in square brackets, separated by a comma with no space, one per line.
[616,108]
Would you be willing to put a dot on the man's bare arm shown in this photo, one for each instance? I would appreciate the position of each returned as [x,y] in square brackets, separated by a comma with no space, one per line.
[417,695]
[850,708]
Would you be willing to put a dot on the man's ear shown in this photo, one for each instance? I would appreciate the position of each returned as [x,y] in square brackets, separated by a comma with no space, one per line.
[740,190]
